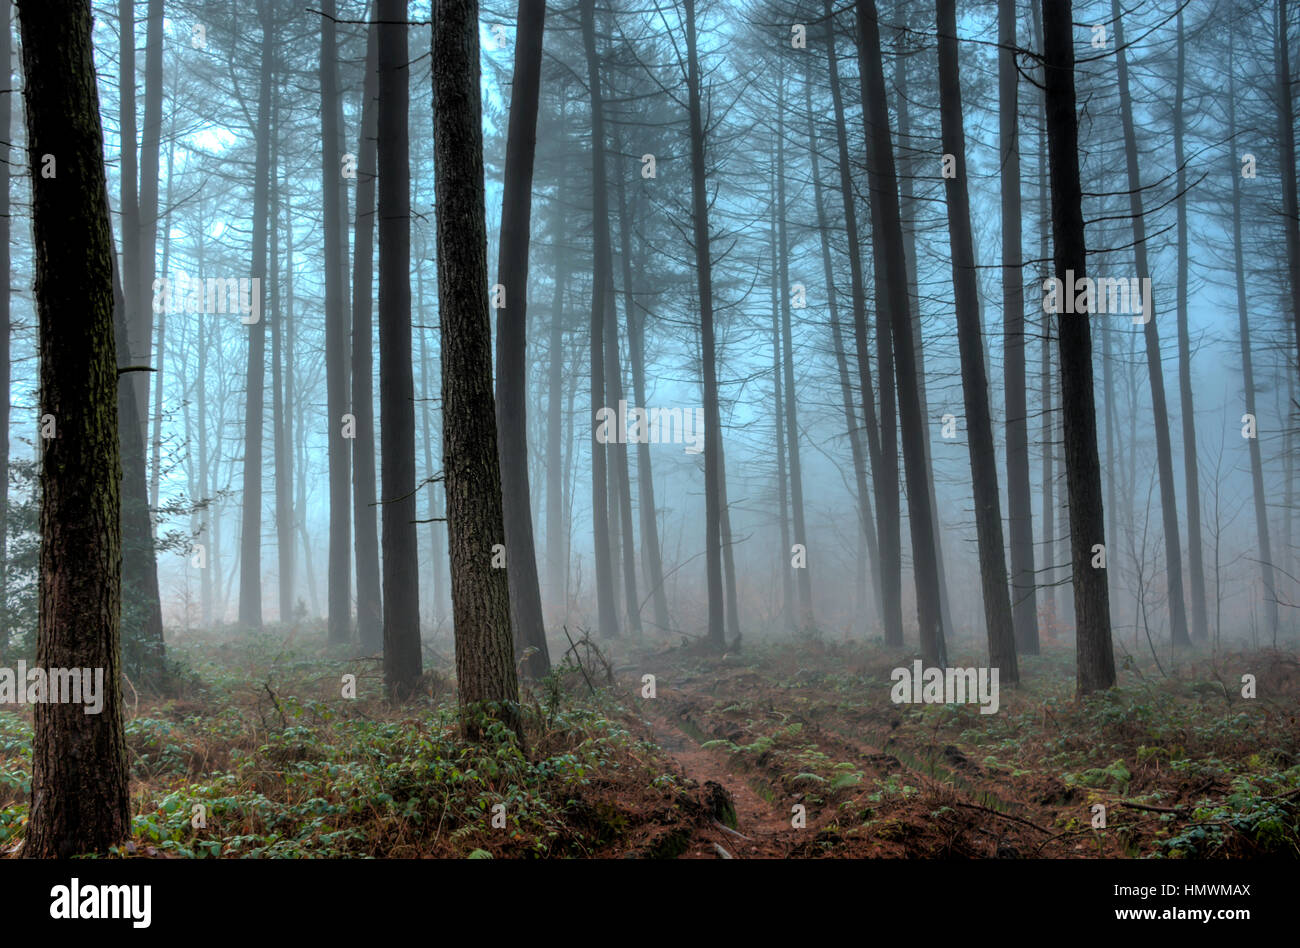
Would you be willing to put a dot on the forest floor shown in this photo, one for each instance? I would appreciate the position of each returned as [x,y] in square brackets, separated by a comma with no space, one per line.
[782,750]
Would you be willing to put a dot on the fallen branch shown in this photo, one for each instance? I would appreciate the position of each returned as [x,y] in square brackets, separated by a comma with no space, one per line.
[1005,816]
[728,829]
[722,853]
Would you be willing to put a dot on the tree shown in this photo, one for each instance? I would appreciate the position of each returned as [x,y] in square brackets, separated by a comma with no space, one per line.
[336,367]
[882,474]
[512,341]
[974,380]
[600,295]
[401,575]
[485,670]
[370,610]
[1019,497]
[1095,653]
[6,120]
[891,294]
[80,800]
[1191,461]
[1155,365]
[250,545]
[708,354]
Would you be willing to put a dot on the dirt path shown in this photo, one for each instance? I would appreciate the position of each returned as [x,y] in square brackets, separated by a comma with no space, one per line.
[766,827]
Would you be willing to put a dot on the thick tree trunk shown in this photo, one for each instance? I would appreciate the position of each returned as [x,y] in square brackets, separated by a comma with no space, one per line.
[975,384]
[1019,497]
[891,294]
[485,670]
[365,514]
[401,571]
[607,613]
[1096,657]
[80,799]
[1155,363]
[281,430]
[512,343]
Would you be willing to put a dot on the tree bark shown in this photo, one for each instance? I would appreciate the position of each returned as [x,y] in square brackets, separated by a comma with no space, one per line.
[889,563]
[1095,653]
[975,384]
[485,670]
[80,799]
[250,546]
[401,573]
[512,344]
[606,610]
[1260,496]
[891,294]
[1155,363]
[370,609]
[1019,496]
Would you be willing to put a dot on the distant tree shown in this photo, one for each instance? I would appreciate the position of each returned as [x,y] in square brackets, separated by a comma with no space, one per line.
[336,366]
[512,379]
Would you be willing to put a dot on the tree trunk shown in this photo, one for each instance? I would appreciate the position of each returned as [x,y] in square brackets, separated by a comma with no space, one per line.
[803,583]
[652,560]
[1287,167]
[1019,497]
[556,534]
[1096,658]
[889,563]
[1262,529]
[401,572]
[908,210]
[79,792]
[1191,460]
[6,370]
[336,367]
[605,600]
[975,383]
[866,517]
[250,546]
[891,294]
[778,414]
[141,325]
[370,610]
[485,670]
[1155,364]
[512,344]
